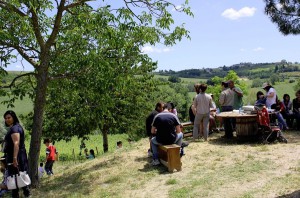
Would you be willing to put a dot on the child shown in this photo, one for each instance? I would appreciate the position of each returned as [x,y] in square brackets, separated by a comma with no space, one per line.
[92,154]
[41,170]
[86,153]
[3,187]
[50,156]
[119,144]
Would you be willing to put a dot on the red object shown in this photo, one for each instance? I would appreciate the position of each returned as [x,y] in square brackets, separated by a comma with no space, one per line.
[52,152]
[263,117]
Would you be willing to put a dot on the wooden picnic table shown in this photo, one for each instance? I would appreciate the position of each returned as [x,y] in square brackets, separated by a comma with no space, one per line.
[246,124]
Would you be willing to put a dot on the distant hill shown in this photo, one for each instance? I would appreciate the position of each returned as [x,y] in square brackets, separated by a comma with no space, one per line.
[249,70]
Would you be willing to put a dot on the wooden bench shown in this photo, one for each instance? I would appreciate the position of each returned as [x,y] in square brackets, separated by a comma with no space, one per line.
[170,157]
[187,129]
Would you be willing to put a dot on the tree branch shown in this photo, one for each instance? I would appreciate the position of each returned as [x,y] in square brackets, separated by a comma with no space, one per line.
[10,8]
[57,23]
[36,28]
[76,4]
[15,79]
[69,75]
[26,57]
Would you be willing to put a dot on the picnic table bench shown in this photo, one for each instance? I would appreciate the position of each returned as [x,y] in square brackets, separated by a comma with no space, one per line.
[187,129]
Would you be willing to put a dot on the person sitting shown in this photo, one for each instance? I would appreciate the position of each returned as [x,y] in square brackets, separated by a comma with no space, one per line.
[172,108]
[119,144]
[260,100]
[296,109]
[92,154]
[192,112]
[158,108]
[278,109]
[212,116]
[288,114]
[86,154]
[166,128]
[3,186]
[41,170]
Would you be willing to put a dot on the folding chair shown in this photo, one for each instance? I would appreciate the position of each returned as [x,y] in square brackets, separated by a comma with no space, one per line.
[269,132]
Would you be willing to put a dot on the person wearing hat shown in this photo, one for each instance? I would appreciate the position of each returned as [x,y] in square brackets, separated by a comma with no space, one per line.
[270,95]
[226,101]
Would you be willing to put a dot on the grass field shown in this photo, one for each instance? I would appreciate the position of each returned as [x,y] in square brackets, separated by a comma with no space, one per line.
[21,106]
[69,151]
[213,169]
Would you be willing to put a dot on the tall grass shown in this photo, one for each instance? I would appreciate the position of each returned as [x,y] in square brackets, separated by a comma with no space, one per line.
[70,151]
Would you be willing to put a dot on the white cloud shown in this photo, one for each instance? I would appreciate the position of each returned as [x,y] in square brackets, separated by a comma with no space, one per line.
[243,50]
[258,49]
[236,14]
[150,49]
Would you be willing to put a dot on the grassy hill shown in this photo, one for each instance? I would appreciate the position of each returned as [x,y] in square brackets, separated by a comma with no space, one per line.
[211,169]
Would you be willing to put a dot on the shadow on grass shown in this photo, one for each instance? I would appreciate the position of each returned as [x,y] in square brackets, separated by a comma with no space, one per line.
[295,194]
[161,169]
[72,183]
[216,138]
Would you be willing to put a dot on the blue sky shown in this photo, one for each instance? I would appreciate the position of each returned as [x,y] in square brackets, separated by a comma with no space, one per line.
[226,33]
[222,33]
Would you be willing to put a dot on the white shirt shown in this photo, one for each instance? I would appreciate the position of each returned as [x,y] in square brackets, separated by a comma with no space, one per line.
[271,100]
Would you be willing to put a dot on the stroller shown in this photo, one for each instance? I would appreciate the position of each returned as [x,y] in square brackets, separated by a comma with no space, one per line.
[268,131]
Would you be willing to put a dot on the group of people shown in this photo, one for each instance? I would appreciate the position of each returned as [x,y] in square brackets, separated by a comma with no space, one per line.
[15,155]
[204,109]
[286,111]
[88,154]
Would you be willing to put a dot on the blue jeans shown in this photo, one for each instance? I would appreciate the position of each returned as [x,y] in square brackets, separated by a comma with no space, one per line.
[281,122]
[155,144]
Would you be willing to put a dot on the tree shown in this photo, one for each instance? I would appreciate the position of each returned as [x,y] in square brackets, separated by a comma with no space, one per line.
[54,36]
[274,78]
[217,89]
[285,14]
[174,79]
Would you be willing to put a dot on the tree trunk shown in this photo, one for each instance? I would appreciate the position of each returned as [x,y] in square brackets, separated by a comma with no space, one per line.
[105,138]
[39,104]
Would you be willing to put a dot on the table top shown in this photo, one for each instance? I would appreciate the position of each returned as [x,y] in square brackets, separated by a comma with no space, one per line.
[231,114]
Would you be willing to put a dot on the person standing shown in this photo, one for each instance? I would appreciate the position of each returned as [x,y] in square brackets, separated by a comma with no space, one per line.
[238,95]
[166,128]
[270,95]
[50,156]
[226,101]
[15,151]
[202,103]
